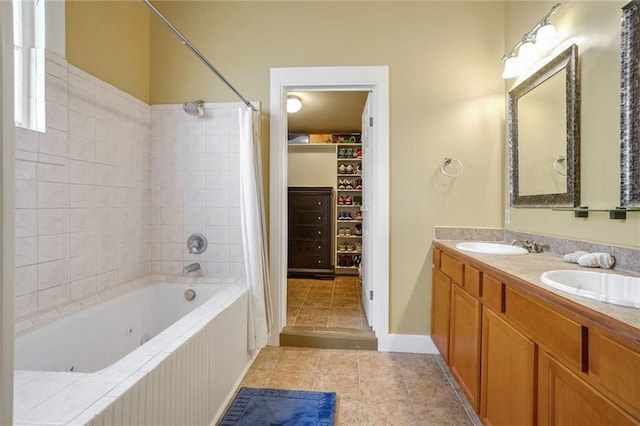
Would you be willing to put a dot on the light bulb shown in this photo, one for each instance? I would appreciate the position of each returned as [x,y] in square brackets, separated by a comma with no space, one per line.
[547,37]
[511,67]
[294,104]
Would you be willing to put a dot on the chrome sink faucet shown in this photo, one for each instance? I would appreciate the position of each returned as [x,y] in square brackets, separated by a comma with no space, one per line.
[190,268]
[530,245]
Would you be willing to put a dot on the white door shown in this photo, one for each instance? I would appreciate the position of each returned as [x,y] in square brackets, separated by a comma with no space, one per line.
[367,193]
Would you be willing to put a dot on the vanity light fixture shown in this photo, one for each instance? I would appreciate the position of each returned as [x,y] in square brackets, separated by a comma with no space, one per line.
[541,38]
[294,104]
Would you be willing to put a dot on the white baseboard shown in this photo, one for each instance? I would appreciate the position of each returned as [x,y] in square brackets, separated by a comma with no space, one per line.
[410,343]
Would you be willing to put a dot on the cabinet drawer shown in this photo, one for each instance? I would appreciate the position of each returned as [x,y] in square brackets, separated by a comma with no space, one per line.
[451,267]
[492,295]
[316,232]
[472,281]
[436,257]
[615,368]
[309,202]
[308,246]
[308,261]
[561,335]
[309,217]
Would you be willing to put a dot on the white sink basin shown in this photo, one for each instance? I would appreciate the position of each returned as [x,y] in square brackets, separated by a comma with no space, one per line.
[608,288]
[491,248]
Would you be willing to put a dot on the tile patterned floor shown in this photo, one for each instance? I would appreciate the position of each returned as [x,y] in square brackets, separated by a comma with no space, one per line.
[372,388]
[325,303]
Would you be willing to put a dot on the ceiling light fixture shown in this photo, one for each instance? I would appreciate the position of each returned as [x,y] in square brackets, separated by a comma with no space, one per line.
[541,38]
[294,104]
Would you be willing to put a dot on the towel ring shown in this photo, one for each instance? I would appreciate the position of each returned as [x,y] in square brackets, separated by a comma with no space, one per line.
[446,162]
[560,159]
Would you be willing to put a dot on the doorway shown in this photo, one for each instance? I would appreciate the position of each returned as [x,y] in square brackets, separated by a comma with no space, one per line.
[373,80]
[326,303]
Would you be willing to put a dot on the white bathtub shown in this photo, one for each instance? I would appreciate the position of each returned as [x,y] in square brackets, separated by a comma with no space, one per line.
[122,361]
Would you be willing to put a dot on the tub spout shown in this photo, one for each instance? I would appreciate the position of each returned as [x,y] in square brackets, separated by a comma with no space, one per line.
[190,268]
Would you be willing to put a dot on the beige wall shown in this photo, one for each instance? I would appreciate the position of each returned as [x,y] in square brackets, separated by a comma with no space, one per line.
[110,40]
[311,166]
[446,99]
[595,28]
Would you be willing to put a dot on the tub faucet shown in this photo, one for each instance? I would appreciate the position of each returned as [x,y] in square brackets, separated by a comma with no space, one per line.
[190,268]
[530,245]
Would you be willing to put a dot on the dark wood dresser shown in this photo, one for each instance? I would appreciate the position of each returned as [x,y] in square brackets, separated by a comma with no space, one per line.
[310,232]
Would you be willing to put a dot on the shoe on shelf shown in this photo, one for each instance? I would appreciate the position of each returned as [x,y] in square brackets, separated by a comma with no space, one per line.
[341,232]
[348,261]
[357,201]
[347,232]
[348,168]
[350,247]
[341,261]
[358,246]
[359,153]
[342,247]
[357,260]
[342,168]
[341,184]
[343,216]
[354,154]
[347,201]
[348,184]
[347,216]
[341,200]
[358,183]
[358,170]
[358,216]
[348,153]
[357,230]
[341,152]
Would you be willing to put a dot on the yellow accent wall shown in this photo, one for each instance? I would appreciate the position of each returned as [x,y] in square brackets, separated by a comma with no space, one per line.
[110,40]
[595,28]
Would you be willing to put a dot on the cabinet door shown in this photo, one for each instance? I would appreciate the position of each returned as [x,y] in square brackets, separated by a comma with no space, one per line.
[464,345]
[508,374]
[440,312]
[565,399]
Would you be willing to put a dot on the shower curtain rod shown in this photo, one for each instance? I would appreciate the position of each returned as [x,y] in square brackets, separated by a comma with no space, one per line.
[195,51]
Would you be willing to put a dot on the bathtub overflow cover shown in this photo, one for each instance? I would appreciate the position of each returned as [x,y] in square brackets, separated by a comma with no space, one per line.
[129,331]
[189,295]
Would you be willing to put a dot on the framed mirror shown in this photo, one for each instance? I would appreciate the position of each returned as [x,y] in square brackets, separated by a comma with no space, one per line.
[544,138]
[630,106]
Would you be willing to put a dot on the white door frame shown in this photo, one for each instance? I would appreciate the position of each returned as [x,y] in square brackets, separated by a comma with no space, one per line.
[374,79]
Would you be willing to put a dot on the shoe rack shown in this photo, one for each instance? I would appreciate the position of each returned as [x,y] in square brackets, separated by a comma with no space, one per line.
[348,245]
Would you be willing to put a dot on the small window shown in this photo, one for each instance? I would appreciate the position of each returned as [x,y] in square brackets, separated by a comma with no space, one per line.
[29,44]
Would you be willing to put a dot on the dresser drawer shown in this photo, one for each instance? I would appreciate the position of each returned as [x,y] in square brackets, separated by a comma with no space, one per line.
[492,293]
[309,202]
[563,336]
[472,281]
[309,217]
[451,267]
[308,246]
[311,232]
[615,368]
[309,261]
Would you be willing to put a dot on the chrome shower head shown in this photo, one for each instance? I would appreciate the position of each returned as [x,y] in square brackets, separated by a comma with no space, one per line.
[194,108]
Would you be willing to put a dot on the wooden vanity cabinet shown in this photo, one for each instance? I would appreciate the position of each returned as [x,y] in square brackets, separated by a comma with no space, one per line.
[524,359]
[508,374]
[464,343]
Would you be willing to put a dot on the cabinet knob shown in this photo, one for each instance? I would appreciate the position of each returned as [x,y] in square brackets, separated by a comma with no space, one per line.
[319,247]
[319,232]
[319,203]
[319,217]
[319,261]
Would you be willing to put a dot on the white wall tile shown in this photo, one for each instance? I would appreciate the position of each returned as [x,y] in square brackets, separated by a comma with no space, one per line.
[217,198]
[82,196]
[194,180]
[218,253]
[53,247]
[195,198]
[218,126]
[218,234]
[171,234]
[218,143]
[83,288]
[107,261]
[26,251]
[26,194]
[54,296]
[53,195]
[26,223]
[82,172]
[82,266]
[172,216]
[26,304]
[57,116]
[217,161]
[195,216]
[51,274]
[82,125]
[82,148]
[26,139]
[26,170]
[82,243]
[106,153]
[54,142]
[217,179]
[26,280]
[53,221]
[218,216]
[173,251]
[107,280]
[82,219]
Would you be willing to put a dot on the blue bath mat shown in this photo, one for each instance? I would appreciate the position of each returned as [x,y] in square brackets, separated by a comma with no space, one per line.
[258,407]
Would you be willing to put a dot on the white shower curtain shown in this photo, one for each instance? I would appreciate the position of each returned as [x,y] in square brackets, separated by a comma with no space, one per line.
[254,229]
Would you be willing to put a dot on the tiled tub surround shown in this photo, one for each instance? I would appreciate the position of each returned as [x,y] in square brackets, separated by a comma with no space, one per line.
[195,187]
[82,198]
[627,259]
[181,376]
[530,267]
